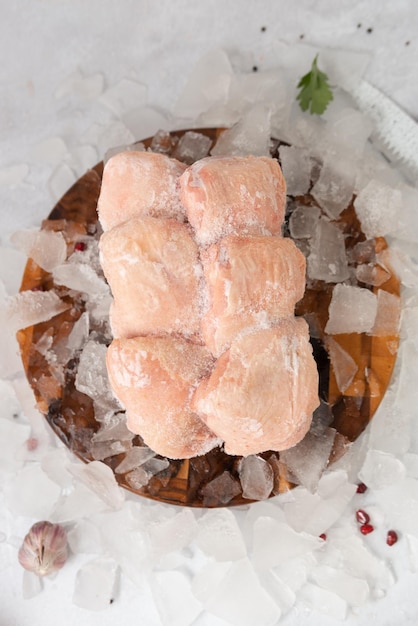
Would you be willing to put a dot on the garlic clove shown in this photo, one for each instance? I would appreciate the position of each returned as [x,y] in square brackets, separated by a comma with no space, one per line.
[44,549]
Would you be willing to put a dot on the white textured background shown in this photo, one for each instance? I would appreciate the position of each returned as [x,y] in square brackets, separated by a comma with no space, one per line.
[157,43]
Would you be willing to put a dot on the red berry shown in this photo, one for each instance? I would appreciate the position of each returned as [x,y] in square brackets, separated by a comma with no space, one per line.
[362,517]
[361,488]
[80,246]
[366,529]
[323,536]
[32,444]
[391,537]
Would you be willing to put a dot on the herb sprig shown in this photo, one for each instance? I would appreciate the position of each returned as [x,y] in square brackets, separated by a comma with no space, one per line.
[315,93]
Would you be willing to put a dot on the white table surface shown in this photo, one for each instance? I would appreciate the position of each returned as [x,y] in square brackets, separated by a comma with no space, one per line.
[157,43]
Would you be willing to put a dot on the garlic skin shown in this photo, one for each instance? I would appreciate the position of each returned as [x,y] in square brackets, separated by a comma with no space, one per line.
[44,549]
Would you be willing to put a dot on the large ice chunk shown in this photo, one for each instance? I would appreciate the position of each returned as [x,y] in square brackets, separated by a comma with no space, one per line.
[296,166]
[303,221]
[327,259]
[219,536]
[30,307]
[174,599]
[250,135]
[378,207]
[344,366]
[94,585]
[387,315]
[307,460]
[46,247]
[381,469]
[256,477]
[352,310]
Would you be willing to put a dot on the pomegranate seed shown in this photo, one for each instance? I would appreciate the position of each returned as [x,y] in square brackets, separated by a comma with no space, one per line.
[80,246]
[391,538]
[361,488]
[323,536]
[362,517]
[366,529]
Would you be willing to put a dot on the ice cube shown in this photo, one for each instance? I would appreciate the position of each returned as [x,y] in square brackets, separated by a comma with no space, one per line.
[174,599]
[372,274]
[363,252]
[51,151]
[101,450]
[172,534]
[13,175]
[303,221]
[137,478]
[192,147]
[352,310]
[323,601]
[83,158]
[30,307]
[354,591]
[31,585]
[296,166]
[134,458]
[84,538]
[78,503]
[23,493]
[308,459]
[281,593]
[124,96]
[94,584]
[377,207]
[115,429]
[115,134]
[221,489]
[381,469]
[315,513]
[100,479]
[256,476]
[87,88]
[144,121]
[275,542]
[343,365]
[327,259]
[92,378]
[250,135]
[61,179]
[388,314]
[46,247]
[233,592]
[79,333]
[220,537]
[80,277]
[208,83]
[335,186]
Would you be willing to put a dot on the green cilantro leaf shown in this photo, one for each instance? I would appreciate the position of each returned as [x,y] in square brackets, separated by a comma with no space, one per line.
[315,93]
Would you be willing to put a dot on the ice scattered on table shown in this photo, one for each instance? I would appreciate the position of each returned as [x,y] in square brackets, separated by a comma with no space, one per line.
[303,221]
[115,134]
[22,493]
[61,179]
[172,534]
[220,537]
[100,479]
[378,207]
[12,439]
[307,460]
[55,465]
[94,584]
[256,478]
[343,365]
[84,538]
[275,542]
[46,247]
[327,259]
[352,310]
[84,87]
[13,175]
[30,307]
[324,601]
[124,96]
[51,151]
[219,587]
[296,167]
[176,604]
[192,147]
[32,585]
[381,470]
[144,121]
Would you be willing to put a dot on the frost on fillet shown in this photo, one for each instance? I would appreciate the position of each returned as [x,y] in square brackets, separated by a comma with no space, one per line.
[139,183]
[154,377]
[252,282]
[241,195]
[262,391]
[153,269]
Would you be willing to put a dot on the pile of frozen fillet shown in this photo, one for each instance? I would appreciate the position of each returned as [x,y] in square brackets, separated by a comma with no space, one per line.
[206,350]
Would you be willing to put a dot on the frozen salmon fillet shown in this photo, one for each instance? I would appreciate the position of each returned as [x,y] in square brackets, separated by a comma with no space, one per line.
[240,195]
[251,282]
[153,378]
[139,183]
[262,391]
[153,269]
